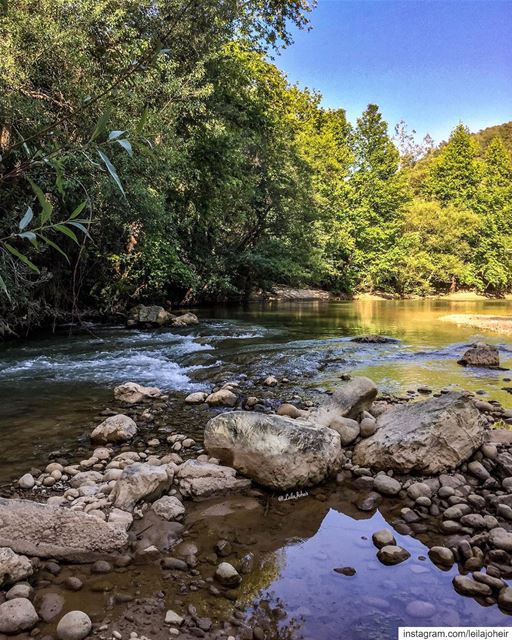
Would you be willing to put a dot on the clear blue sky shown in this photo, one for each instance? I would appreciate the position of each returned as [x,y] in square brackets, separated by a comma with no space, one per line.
[432,63]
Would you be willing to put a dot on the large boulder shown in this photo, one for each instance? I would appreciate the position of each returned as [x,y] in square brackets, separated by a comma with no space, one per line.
[132,393]
[349,401]
[481,355]
[275,451]
[153,315]
[118,428]
[185,320]
[36,529]
[141,481]
[13,567]
[204,480]
[427,437]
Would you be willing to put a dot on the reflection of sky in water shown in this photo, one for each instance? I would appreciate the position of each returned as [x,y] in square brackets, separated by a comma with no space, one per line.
[373,603]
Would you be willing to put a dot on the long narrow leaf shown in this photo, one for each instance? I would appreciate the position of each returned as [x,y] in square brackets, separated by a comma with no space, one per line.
[67,232]
[45,204]
[53,245]
[80,226]
[142,121]
[3,287]
[78,210]
[27,218]
[112,170]
[126,145]
[101,124]
[114,135]
[21,257]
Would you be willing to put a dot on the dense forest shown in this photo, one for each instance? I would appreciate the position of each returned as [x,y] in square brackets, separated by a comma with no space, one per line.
[150,151]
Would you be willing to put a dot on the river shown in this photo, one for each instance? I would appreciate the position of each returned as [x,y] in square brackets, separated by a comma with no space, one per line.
[53,387]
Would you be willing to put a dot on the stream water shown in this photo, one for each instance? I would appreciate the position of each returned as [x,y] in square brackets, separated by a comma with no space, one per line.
[53,387]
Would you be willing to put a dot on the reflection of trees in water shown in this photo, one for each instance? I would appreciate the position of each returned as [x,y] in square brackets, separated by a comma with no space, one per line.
[266,610]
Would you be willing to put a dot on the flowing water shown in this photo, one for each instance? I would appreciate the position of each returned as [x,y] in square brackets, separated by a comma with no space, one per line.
[52,388]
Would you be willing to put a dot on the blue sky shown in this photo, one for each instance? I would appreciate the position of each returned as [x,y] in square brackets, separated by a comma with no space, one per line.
[432,63]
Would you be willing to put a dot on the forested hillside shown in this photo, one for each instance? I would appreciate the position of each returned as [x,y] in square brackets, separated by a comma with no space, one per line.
[150,151]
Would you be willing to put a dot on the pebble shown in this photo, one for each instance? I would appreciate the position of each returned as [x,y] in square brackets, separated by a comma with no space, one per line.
[227,575]
[392,554]
[383,538]
[386,485]
[27,481]
[20,590]
[171,617]
[73,583]
[75,625]
[466,586]
[441,556]
[17,615]
[419,490]
[505,599]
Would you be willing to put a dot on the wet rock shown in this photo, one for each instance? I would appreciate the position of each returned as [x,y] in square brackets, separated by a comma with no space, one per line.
[119,428]
[346,571]
[227,575]
[168,508]
[392,554]
[383,538]
[354,397]
[20,590]
[478,470]
[49,605]
[466,586]
[199,397]
[185,320]
[171,617]
[27,481]
[385,485]
[222,398]
[441,556]
[174,564]
[35,529]
[17,615]
[291,411]
[101,566]
[13,567]
[132,393]
[495,583]
[75,625]
[505,598]
[347,429]
[203,479]
[481,355]
[73,583]
[368,502]
[275,451]
[373,339]
[419,490]
[153,315]
[426,437]
[499,538]
[473,521]
[141,481]
[270,381]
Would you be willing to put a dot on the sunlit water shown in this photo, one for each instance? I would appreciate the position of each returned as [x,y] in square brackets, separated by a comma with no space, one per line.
[51,388]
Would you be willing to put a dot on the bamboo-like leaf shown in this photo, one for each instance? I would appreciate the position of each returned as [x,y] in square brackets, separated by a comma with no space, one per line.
[3,287]
[116,134]
[126,145]
[78,210]
[112,170]
[29,235]
[101,124]
[142,121]
[27,218]
[80,226]
[66,231]
[43,201]
[53,245]
[21,257]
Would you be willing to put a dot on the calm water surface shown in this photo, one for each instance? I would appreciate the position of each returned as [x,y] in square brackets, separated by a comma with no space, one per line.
[52,388]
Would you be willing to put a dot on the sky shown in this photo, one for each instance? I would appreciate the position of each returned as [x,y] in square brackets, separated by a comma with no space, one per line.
[432,63]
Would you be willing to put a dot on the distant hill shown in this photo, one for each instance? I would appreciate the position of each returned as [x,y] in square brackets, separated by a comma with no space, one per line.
[503,130]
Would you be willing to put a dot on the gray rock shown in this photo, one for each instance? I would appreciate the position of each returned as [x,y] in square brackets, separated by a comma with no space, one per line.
[169,508]
[227,575]
[474,521]
[428,437]
[119,428]
[386,486]
[27,481]
[20,590]
[199,397]
[275,451]
[481,355]
[149,315]
[392,554]
[355,397]
[36,529]
[368,427]
[133,393]
[75,625]
[13,567]
[17,615]
[466,586]
[204,480]
[505,599]
[222,398]
[171,617]
[441,556]
[141,481]
[419,490]
[499,538]
[383,538]
[49,605]
[478,470]
[347,429]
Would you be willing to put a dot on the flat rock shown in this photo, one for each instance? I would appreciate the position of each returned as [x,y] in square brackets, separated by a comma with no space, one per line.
[36,529]
[168,508]
[204,480]
[141,481]
[275,451]
[481,355]
[466,586]
[13,567]
[132,393]
[427,437]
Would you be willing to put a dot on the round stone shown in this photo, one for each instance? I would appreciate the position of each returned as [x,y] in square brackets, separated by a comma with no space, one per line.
[441,556]
[383,538]
[386,486]
[227,575]
[17,615]
[75,625]
[393,554]
[27,481]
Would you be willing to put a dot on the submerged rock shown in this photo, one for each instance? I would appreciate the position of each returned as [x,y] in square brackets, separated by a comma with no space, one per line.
[275,451]
[141,481]
[374,339]
[428,437]
[132,393]
[481,355]
[203,480]
[36,529]
[119,428]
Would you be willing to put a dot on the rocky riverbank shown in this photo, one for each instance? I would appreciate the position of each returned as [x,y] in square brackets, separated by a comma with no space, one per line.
[126,524]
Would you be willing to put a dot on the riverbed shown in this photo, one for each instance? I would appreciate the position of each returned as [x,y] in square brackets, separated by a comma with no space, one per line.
[54,387]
